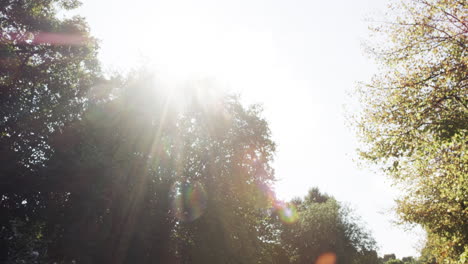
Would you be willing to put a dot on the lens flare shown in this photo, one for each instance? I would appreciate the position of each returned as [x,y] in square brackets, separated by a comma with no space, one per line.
[189,200]
[39,38]
[326,258]
[287,213]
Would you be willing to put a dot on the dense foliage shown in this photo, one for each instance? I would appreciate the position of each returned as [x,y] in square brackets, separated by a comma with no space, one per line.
[415,118]
[124,170]
[47,66]
[121,170]
[324,225]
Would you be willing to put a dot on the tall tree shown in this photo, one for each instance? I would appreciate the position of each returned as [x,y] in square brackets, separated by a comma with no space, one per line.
[415,118]
[142,177]
[47,66]
[226,152]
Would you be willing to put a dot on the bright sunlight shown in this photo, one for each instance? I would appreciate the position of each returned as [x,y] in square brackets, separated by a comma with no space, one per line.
[249,131]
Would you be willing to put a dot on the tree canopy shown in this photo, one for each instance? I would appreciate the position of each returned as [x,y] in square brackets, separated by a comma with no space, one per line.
[47,67]
[325,226]
[99,169]
[415,118]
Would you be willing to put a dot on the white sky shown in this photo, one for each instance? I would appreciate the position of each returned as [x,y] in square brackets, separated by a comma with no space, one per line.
[298,58]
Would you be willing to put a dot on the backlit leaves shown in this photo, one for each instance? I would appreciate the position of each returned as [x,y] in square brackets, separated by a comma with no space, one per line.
[415,116]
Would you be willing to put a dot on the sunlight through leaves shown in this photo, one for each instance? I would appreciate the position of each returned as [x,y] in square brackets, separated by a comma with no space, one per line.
[188,200]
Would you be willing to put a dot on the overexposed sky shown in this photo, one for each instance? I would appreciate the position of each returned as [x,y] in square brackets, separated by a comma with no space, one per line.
[298,58]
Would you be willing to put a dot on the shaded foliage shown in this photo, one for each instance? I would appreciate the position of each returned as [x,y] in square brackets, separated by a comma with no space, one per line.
[47,66]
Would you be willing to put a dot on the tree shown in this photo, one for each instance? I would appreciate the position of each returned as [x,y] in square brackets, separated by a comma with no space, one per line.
[141,178]
[226,149]
[415,118]
[409,260]
[388,257]
[109,175]
[105,190]
[47,67]
[368,257]
[324,226]
[426,256]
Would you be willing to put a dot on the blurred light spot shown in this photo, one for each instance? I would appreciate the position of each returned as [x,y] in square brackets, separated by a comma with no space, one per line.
[58,39]
[45,38]
[188,200]
[287,212]
[326,258]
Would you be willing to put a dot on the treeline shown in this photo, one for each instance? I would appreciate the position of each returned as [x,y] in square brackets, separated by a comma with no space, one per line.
[97,169]
[392,259]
